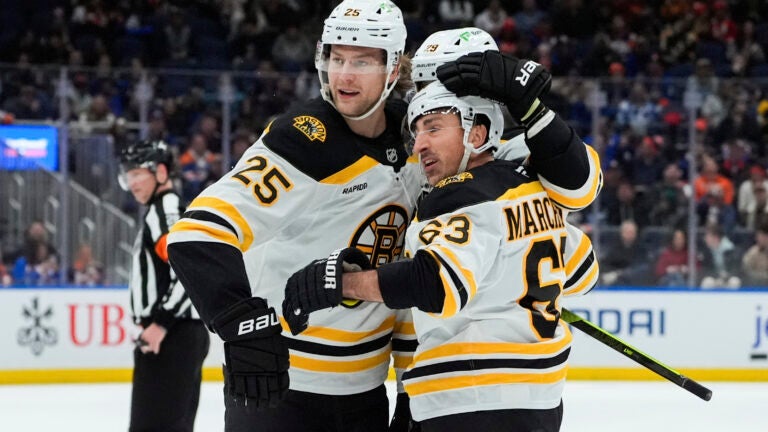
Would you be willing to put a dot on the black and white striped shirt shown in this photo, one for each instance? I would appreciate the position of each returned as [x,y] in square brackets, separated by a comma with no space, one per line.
[156,294]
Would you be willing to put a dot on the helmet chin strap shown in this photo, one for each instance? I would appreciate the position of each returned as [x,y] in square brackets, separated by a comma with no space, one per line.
[468,150]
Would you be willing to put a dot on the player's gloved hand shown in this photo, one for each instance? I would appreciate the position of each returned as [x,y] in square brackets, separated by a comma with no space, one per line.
[401,419]
[493,75]
[255,354]
[318,286]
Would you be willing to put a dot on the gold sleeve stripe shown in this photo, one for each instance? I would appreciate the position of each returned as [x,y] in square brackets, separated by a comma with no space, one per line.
[414,158]
[347,174]
[458,382]
[405,328]
[449,303]
[469,276]
[339,366]
[222,235]
[521,191]
[484,348]
[578,255]
[266,129]
[227,209]
[402,362]
[587,198]
[337,335]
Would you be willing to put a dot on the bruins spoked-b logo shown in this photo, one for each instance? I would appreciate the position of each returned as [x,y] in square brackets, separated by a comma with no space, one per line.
[381,237]
[37,336]
[313,128]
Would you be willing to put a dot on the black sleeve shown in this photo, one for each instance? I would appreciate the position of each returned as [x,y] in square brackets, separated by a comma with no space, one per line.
[213,275]
[412,282]
[559,155]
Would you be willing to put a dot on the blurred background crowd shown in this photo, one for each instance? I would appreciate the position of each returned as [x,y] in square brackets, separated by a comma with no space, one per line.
[672,93]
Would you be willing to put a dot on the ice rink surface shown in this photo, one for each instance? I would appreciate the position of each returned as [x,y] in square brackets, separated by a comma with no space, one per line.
[590,406]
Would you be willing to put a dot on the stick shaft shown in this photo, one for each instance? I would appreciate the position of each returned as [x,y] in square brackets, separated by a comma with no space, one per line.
[635,354]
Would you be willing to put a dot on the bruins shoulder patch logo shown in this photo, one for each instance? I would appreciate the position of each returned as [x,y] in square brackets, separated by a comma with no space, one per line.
[313,128]
[458,178]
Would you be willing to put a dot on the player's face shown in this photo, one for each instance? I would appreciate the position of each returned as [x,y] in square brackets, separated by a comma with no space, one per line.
[141,182]
[439,144]
[356,77]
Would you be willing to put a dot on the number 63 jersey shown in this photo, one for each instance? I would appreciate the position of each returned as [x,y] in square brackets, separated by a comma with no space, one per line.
[498,342]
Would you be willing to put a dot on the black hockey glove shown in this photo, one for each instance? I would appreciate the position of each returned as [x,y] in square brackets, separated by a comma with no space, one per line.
[318,286]
[401,419]
[503,78]
[255,354]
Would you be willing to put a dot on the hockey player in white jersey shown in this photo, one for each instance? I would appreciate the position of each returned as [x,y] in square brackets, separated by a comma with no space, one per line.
[331,173]
[485,275]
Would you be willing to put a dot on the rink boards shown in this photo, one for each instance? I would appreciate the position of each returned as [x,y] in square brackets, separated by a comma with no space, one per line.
[85,334]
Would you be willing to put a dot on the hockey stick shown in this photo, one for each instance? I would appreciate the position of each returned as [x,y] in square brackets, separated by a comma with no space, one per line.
[633,353]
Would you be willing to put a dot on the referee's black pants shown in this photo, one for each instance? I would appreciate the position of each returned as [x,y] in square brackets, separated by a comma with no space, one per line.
[166,386]
[311,412]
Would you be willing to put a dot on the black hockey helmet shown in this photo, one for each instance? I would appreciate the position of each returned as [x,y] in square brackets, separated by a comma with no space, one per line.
[144,154]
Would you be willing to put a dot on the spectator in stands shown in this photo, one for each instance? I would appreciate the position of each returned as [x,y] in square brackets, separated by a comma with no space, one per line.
[746,52]
[647,164]
[5,277]
[720,260]
[629,205]
[178,36]
[36,262]
[710,179]
[456,13]
[86,270]
[293,51]
[671,268]
[712,209]
[669,199]
[754,264]
[746,199]
[196,164]
[626,261]
[99,117]
[491,19]
[30,104]
[528,17]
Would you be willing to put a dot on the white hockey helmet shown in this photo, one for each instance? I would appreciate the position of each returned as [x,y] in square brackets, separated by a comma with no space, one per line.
[363,23]
[448,45]
[435,98]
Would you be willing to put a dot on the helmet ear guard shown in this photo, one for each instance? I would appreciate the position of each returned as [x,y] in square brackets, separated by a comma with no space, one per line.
[362,23]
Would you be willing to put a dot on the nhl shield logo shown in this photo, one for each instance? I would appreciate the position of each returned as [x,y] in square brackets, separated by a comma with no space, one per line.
[392,155]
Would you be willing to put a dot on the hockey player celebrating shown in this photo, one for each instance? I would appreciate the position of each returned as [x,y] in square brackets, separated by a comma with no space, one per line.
[332,173]
[484,278]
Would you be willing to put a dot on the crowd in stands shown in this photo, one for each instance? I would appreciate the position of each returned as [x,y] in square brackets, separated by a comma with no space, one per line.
[647,56]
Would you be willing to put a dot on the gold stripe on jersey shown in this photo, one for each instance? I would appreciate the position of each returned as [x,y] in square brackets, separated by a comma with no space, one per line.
[343,336]
[574,199]
[232,215]
[579,254]
[347,174]
[458,382]
[446,351]
[200,229]
[339,366]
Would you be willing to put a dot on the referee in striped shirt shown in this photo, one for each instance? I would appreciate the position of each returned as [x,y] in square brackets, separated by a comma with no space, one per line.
[173,343]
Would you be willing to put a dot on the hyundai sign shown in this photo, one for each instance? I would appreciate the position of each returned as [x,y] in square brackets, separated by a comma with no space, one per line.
[29,148]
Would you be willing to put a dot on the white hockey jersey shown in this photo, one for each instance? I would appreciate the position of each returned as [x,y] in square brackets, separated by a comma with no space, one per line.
[498,342]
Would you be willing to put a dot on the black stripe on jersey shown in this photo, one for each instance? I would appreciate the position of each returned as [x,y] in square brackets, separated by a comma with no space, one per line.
[339,351]
[488,182]
[404,345]
[481,364]
[202,215]
[338,147]
[456,281]
[585,265]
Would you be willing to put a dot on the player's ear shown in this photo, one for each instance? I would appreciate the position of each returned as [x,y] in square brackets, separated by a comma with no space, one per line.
[161,172]
[478,135]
